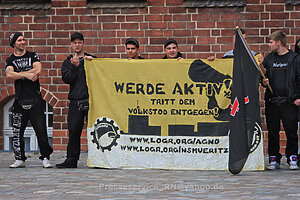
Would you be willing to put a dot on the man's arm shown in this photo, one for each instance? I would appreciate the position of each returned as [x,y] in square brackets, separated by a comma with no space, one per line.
[264,81]
[37,68]
[260,60]
[12,75]
[69,72]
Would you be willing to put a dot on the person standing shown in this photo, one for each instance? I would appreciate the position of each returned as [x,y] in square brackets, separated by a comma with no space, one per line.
[171,50]
[73,73]
[132,49]
[230,54]
[24,68]
[283,75]
[297,50]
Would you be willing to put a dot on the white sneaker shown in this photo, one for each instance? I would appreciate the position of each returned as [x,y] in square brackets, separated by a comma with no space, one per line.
[17,164]
[293,162]
[273,164]
[46,163]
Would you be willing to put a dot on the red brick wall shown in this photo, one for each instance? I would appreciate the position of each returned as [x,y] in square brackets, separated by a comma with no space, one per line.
[199,31]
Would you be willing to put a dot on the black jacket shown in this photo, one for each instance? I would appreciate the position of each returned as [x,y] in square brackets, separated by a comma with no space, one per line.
[75,77]
[297,49]
[293,76]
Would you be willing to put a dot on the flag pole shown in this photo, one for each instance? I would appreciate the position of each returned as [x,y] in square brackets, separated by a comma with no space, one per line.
[252,57]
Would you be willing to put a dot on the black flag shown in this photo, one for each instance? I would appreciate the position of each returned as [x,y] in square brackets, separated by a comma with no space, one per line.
[245,107]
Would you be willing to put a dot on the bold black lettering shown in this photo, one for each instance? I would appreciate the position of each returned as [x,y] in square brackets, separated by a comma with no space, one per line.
[217,87]
[200,86]
[177,89]
[129,88]
[140,88]
[188,89]
[159,89]
[209,89]
[150,88]
[119,87]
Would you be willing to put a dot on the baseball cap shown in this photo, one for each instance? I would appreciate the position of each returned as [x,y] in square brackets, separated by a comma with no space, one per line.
[13,38]
[169,41]
[76,35]
[132,41]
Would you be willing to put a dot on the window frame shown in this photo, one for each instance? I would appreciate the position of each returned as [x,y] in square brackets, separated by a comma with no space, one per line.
[25,4]
[23,1]
[29,133]
[204,3]
[116,4]
[292,2]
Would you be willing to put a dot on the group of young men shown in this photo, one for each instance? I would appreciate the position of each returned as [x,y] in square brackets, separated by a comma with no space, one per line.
[281,68]
[170,48]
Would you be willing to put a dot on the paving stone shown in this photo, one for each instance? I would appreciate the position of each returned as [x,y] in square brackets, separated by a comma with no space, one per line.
[35,182]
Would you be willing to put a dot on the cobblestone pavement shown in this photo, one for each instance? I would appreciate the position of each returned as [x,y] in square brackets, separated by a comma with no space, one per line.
[35,182]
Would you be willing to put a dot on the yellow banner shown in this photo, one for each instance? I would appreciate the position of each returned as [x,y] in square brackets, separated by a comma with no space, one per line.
[158,110]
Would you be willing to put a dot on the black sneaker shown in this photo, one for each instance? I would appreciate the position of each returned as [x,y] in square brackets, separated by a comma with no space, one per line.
[67,164]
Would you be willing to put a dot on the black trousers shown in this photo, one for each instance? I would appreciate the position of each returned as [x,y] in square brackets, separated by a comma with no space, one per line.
[38,120]
[75,125]
[287,113]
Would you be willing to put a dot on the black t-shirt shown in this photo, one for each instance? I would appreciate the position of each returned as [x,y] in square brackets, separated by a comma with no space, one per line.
[279,74]
[278,81]
[24,88]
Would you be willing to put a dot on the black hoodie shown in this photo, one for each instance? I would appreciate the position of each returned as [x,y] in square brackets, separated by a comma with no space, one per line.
[297,49]
[75,77]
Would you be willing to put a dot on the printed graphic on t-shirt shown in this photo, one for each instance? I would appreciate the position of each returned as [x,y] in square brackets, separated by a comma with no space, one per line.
[280,65]
[279,75]
[22,64]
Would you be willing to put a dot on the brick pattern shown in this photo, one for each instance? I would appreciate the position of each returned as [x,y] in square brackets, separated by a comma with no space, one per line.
[201,32]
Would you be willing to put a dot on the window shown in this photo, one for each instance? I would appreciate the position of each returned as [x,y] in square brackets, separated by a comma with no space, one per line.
[24,1]
[214,3]
[116,3]
[29,134]
[292,2]
[25,4]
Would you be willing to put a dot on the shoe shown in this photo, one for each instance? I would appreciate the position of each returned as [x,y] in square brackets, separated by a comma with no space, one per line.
[18,164]
[67,164]
[273,164]
[293,162]
[46,163]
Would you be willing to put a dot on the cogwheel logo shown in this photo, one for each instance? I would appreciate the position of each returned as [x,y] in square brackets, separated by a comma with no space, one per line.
[105,133]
